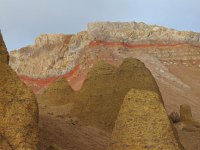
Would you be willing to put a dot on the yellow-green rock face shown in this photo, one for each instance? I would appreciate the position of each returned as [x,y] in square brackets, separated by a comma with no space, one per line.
[18,109]
[101,96]
[58,93]
[143,123]
[4,56]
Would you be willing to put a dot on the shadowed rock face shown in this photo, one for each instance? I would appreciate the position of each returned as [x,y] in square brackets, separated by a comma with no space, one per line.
[4,56]
[143,123]
[100,98]
[18,110]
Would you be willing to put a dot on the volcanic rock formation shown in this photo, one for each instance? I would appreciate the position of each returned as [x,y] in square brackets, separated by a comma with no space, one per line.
[143,124]
[18,109]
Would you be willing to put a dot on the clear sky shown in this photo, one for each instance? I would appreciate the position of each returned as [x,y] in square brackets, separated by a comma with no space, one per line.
[23,20]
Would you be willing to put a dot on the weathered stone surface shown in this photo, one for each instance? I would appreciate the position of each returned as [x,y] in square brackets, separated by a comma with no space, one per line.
[175,117]
[4,144]
[185,113]
[143,123]
[78,41]
[188,123]
[99,100]
[133,32]
[95,99]
[49,57]
[50,39]
[58,93]
[53,55]
[18,111]
[4,56]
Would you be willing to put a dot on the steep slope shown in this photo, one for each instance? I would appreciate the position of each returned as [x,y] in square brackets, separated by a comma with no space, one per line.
[143,124]
[4,56]
[58,93]
[173,57]
[95,97]
[99,100]
[48,57]
[18,109]
[165,43]
[133,32]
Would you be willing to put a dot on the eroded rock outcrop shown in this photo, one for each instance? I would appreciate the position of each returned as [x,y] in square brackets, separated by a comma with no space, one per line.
[18,111]
[185,113]
[58,93]
[4,56]
[100,98]
[133,32]
[79,41]
[143,124]
[94,100]
[51,39]
[48,57]
[58,54]
[188,123]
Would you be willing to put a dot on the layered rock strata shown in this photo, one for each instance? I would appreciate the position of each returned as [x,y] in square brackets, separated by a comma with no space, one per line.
[133,32]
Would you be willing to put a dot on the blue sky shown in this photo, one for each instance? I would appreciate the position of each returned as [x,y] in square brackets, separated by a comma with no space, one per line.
[23,20]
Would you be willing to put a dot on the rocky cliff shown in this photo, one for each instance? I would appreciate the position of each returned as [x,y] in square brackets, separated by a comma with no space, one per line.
[48,57]
[4,56]
[54,55]
[133,32]
[18,109]
[104,90]
[173,58]
[158,47]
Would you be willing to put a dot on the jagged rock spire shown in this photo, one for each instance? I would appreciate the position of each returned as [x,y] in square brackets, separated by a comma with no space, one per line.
[4,56]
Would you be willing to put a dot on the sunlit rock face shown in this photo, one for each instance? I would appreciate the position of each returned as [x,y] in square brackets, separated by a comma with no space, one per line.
[18,110]
[4,56]
[143,124]
[133,32]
